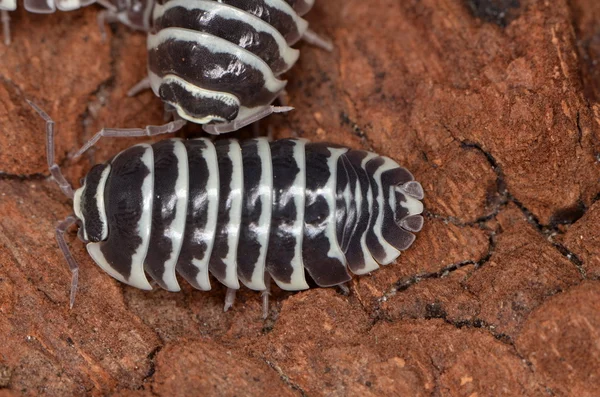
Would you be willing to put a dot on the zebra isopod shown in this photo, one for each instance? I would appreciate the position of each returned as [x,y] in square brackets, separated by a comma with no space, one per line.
[219,63]
[245,212]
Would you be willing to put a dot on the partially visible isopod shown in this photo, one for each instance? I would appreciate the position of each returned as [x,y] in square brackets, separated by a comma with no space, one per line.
[219,63]
[242,211]
[133,13]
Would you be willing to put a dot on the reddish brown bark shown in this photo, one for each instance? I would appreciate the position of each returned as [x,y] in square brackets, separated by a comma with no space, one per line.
[493,104]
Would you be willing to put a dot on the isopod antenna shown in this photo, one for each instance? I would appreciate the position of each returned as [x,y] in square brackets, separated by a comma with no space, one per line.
[65,186]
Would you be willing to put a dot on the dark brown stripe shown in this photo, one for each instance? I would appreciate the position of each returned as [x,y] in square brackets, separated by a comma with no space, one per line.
[324,270]
[123,200]
[89,204]
[194,63]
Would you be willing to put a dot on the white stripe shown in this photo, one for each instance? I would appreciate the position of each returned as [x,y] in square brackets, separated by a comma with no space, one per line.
[100,201]
[212,195]
[235,215]
[329,192]
[265,192]
[68,5]
[347,196]
[137,278]
[370,263]
[288,54]
[298,193]
[198,93]
[217,45]
[391,253]
[176,229]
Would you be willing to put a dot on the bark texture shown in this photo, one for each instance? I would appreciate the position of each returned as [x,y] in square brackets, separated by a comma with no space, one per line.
[492,104]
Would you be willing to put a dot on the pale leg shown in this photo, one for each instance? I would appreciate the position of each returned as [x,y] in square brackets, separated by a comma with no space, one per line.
[344,288]
[236,124]
[60,231]
[150,130]
[140,86]
[62,182]
[312,38]
[265,297]
[229,298]
[5,26]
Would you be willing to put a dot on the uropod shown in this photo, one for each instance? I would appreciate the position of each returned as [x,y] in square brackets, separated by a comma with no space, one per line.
[244,212]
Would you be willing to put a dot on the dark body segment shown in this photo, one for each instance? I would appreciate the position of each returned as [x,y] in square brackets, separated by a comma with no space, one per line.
[223,260]
[212,65]
[94,225]
[197,105]
[359,257]
[201,213]
[168,212]
[284,256]
[128,203]
[345,204]
[380,249]
[234,25]
[276,13]
[256,212]
[323,259]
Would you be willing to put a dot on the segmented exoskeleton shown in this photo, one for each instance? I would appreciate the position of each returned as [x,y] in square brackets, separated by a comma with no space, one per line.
[219,63]
[244,211]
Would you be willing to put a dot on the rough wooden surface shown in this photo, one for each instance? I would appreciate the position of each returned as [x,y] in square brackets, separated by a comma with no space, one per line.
[493,104]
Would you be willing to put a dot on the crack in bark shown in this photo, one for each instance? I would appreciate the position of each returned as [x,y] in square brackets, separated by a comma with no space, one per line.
[407,282]
[148,379]
[548,231]
[286,379]
[23,177]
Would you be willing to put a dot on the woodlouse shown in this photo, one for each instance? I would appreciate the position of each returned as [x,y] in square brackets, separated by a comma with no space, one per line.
[244,212]
[218,63]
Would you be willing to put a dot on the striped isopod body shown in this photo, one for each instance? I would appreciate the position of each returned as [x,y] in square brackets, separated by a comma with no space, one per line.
[244,212]
[218,63]
[133,13]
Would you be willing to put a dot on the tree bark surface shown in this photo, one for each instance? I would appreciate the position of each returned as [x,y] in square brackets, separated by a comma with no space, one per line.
[494,107]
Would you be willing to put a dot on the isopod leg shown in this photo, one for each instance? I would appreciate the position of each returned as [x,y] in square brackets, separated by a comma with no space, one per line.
[235,125]
[265,297]
[62,182]
[229,298]
[60,231]
[140,86]
[5,26]
[150,130]
[312,38]
[344,288]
